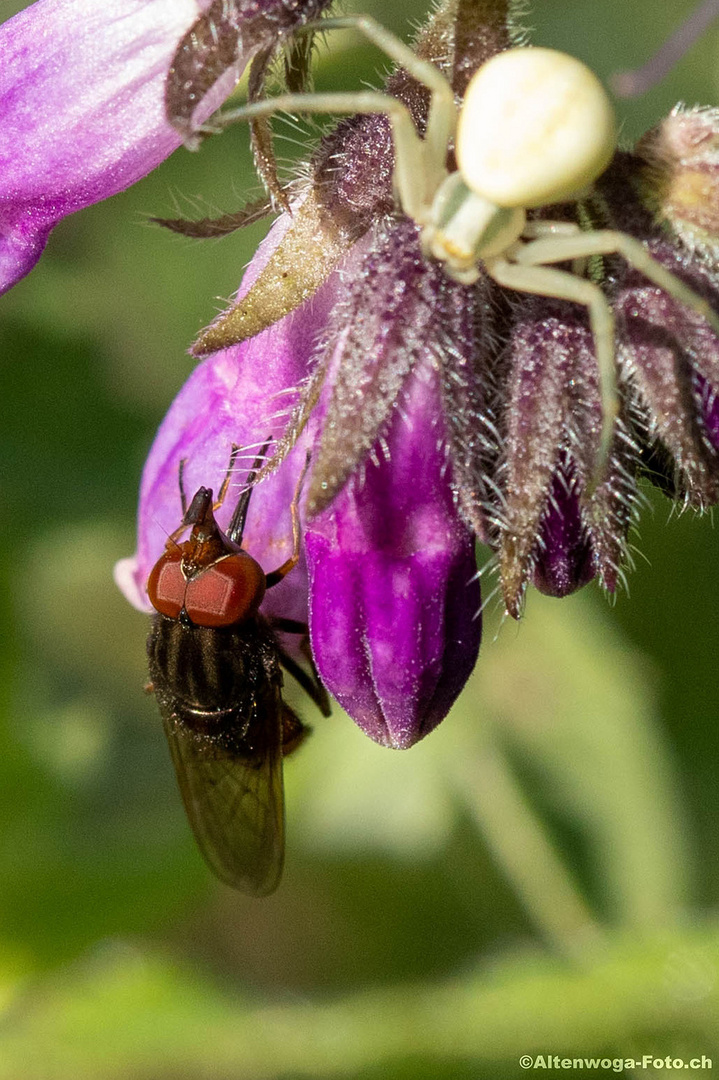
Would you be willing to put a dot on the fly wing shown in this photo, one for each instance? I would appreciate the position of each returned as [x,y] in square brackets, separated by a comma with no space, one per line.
[233,797]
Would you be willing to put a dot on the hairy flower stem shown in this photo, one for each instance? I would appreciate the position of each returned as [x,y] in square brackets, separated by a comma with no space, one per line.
[525,852]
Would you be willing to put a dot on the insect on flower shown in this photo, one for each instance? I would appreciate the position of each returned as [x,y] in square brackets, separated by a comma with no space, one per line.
[215,670]
[535,129]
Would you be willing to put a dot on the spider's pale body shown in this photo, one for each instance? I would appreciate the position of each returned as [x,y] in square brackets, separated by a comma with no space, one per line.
[535,129]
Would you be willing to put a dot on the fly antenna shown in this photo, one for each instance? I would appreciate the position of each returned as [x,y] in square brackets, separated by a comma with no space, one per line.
[236,528]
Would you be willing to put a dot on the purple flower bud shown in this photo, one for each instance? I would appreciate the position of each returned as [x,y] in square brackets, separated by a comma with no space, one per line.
[564,561]
[394,597]
[551,530]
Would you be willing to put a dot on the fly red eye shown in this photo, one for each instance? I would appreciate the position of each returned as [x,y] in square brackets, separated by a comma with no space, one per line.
[227,592]
[166,584]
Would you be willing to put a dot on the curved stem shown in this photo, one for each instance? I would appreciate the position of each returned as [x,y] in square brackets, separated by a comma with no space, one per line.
[630,84]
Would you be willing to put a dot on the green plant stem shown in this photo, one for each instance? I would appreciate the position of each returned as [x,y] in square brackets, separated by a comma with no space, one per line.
[524,850]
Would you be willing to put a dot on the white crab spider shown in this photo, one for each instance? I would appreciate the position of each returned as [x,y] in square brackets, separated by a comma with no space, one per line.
[535,128]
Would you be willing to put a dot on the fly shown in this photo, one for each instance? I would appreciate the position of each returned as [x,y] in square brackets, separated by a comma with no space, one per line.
[215,669]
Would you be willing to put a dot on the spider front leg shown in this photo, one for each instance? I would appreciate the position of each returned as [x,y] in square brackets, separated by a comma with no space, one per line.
[544,281]
[442,117]
[414,172]
[420,164]
[543,227]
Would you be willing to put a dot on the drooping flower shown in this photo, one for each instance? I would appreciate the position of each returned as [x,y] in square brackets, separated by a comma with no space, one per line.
[392,592]
[387,580]
[437,412]
[394,597]
[86,105]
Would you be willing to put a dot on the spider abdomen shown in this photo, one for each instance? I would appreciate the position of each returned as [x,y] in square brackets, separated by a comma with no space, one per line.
[536,128]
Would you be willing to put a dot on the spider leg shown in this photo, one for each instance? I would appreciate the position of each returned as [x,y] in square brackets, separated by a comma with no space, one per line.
[414,172]
[544,281]
[263,151]
[420,163]
[538,253]
[608,242]
[442,118]
[534,229]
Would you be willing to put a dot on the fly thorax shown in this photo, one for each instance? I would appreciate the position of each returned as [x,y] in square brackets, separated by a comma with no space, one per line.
[203,670]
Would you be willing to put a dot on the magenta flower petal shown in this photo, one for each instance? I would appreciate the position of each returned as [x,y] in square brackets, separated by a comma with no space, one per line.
[394,596]
[237,396]
[81,110]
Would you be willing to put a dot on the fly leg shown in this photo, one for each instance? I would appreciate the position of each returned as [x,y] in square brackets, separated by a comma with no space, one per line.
[294,731]
[310,683]
[183,494]
[236,527]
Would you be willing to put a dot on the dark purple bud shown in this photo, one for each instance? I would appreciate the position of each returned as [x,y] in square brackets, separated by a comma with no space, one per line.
[394,595]
[551,353]
[563,562]
[555,527]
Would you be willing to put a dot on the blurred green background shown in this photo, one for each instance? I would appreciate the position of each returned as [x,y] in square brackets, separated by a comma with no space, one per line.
[539,876]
